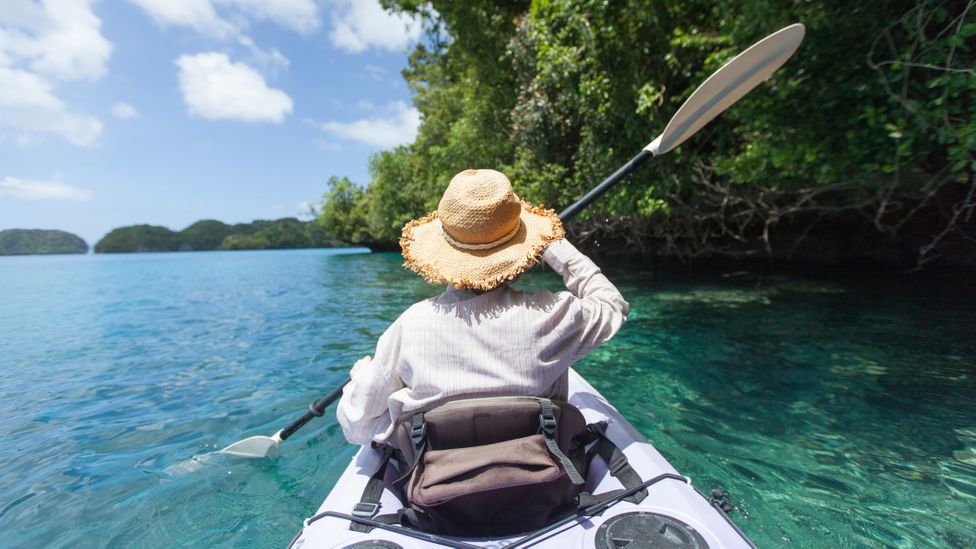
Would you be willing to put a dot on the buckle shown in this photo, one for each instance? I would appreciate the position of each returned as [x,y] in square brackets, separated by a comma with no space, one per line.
[365,509]
[418,431]
[548,422]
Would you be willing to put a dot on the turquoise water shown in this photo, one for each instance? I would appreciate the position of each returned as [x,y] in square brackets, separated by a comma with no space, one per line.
[836,413]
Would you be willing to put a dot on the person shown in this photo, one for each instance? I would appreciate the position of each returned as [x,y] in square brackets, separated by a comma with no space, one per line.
[481,337]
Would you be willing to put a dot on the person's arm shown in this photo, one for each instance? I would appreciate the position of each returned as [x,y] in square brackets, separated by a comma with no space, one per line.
[603,309]
[363,410]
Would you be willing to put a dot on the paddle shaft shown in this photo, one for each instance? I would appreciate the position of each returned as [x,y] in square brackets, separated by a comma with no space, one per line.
[315,409]
[595,193]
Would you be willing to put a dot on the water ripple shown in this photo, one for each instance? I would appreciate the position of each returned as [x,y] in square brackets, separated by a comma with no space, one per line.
[837,413]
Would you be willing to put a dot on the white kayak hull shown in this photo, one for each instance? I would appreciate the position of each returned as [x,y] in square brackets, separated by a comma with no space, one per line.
[670,497]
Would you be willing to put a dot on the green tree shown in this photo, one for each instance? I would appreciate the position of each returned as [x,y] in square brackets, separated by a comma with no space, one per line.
[285,233]
[344,211]
[869,127]
[245,242]
[463,86]
[318,237]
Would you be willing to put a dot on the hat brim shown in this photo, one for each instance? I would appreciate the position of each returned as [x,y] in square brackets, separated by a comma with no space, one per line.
[426,251]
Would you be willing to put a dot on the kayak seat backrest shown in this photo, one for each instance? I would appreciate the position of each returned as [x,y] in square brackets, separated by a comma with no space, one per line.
[490,466]
[481,421]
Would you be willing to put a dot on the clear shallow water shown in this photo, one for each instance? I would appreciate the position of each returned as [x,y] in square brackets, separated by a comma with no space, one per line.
[836,413]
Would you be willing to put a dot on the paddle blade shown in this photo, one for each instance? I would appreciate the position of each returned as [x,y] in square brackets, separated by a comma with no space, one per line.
[727,85]
[255,447]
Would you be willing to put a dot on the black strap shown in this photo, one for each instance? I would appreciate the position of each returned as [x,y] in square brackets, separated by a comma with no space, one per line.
[418,437]
[618,467]
[415,518]
[369,503]
[388,518]
[548,424]
[401,481]
[418,430]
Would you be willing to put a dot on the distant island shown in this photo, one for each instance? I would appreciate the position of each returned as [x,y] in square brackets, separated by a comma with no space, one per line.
[210,234]
[40,241]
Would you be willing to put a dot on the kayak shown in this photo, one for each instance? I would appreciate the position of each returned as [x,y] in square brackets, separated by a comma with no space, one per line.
[674,513]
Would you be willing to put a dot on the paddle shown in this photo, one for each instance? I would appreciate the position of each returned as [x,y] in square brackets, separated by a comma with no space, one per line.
[262,446]
[723,88]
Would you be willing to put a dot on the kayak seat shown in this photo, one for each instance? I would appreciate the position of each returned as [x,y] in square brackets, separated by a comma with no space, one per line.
[496,466]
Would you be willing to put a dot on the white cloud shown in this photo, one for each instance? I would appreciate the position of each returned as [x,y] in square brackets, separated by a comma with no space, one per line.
[58,38]
[361,24]
[41,190]
[272,61]
[214,87]
[383,132]
[199,15]
[40,44]
[230,20]
[28,106]
[22,13]
[124,110]
[298,15]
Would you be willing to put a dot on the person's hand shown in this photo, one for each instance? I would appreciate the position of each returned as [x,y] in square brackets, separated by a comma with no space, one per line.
[550,254]
[360,365]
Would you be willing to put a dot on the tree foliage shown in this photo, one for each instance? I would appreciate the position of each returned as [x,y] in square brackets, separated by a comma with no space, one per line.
[285,233]
[344,211]
[870,126]
[138,238]
[245,242]
[39,241]
[206,234]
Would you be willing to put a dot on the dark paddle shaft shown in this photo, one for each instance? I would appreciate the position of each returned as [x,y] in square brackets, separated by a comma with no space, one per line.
[315,409]
[318,408]
[595,193]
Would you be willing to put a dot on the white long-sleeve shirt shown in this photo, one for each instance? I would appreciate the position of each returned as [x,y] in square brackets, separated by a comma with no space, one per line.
[465,344]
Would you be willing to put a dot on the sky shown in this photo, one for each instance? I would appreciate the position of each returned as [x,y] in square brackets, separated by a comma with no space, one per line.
[122,112]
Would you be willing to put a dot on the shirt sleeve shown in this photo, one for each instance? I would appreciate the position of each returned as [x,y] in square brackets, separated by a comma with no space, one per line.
[602,309]
[363,410]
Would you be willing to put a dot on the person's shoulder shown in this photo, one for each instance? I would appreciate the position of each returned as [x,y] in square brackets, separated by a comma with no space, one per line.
[420,308]
[408,316]
[540,298]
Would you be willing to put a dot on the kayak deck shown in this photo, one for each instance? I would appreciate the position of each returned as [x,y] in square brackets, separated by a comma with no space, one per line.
[672,496]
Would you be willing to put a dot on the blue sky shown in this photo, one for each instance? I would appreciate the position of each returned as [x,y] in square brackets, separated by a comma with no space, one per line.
[118,112]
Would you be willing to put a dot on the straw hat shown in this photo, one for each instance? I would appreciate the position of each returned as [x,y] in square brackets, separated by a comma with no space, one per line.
[481,234]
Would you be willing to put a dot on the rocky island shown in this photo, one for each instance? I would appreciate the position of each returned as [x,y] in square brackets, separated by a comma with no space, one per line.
[40,241]
[210,234]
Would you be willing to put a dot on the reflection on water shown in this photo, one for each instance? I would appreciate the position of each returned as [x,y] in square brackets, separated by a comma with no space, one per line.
[836,413]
